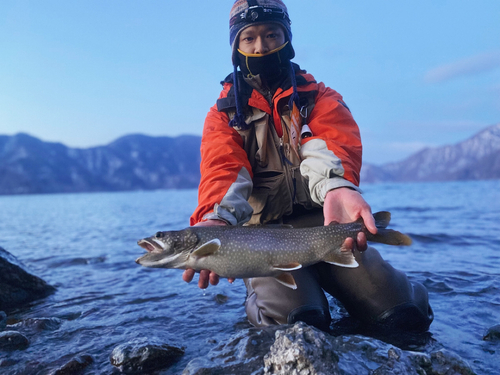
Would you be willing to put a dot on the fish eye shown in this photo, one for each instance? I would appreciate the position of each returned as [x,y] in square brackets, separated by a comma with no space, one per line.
[159,235]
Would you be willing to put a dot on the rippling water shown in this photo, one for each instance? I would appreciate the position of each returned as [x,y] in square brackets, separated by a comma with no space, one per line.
[85,244]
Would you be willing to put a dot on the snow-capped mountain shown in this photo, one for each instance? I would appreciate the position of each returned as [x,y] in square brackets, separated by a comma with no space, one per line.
[477,158]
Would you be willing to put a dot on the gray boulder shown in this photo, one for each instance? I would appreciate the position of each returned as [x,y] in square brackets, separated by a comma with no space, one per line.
[17,285]
[301,349]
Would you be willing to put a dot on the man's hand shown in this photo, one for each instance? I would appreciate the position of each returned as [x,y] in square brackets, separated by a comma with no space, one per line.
[206,276]
[345,205]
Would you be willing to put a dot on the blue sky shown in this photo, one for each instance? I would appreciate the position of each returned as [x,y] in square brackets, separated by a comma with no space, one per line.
[85,72]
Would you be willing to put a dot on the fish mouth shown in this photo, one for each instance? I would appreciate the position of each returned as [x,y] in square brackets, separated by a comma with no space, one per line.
[151,246]
[154,252]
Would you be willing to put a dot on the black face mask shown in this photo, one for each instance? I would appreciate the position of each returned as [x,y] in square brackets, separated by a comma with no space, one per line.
[270,66]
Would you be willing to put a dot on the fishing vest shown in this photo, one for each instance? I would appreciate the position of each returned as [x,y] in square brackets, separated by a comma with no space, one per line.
[278,184]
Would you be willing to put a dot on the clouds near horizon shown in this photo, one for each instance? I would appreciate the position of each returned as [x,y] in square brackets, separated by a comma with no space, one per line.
[469,66]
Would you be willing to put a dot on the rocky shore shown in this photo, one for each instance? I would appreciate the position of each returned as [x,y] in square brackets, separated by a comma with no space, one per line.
[289,349]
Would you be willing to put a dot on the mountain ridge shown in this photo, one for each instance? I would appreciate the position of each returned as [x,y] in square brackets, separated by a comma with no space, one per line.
[132,162]
[476,158]
[29,165]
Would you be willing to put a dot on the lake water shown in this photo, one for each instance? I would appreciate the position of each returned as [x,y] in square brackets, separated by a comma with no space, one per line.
[85,245]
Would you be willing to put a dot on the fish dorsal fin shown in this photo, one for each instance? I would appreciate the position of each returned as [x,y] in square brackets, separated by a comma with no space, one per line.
[288,267]
[270,226]
[287,280]
[334,223]
[208,248]
[344,259]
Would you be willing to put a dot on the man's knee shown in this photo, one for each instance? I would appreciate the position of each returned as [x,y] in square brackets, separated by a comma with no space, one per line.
[311,315]
[269,302]
[407,317]
[376,292]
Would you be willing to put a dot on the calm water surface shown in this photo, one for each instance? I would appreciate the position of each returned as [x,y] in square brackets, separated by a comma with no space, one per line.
[85,244]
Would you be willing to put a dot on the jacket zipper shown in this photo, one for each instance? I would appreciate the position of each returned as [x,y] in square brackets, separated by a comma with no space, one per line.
[290,181]
[287,165]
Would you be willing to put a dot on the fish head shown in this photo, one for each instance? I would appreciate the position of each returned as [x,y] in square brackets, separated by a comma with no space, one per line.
[168,249]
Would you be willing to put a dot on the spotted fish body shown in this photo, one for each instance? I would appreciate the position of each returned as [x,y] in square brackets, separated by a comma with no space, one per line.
[244,252]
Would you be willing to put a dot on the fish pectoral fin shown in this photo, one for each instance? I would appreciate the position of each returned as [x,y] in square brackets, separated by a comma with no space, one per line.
[208,248]
[344,259]
[288,267]
[287,280]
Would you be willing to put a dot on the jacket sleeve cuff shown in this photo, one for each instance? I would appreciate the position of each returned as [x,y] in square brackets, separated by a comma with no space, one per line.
[221,214]
[330,184]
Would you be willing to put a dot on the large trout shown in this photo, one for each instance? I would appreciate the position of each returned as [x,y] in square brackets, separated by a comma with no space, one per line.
[257,251]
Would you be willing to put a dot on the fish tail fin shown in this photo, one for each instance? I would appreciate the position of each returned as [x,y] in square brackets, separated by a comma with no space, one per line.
[389,237]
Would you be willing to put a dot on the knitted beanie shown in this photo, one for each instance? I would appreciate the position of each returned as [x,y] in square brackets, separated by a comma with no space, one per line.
[245,13]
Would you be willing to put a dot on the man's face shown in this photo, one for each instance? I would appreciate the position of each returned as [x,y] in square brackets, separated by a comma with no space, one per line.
[260,39]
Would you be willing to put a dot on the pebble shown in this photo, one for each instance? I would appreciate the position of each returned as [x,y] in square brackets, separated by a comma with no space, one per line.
[493,334]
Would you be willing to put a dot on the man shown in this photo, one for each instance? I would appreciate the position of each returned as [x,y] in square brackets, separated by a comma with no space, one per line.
[278,147]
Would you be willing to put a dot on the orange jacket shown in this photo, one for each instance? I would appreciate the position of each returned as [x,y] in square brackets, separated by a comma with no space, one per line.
[332,156]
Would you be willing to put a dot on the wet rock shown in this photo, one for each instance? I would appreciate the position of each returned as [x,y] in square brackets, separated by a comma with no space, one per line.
[445,362]
[17,285]
[436,363]
[299,350]
[221,299]
[37,324]
[3,320]
[359,354]
[6,362]
[493,334]
[243,353]
[75,365]
[143,355]
[12,340]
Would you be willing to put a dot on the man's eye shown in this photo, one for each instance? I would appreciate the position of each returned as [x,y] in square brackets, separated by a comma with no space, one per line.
[248,39]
